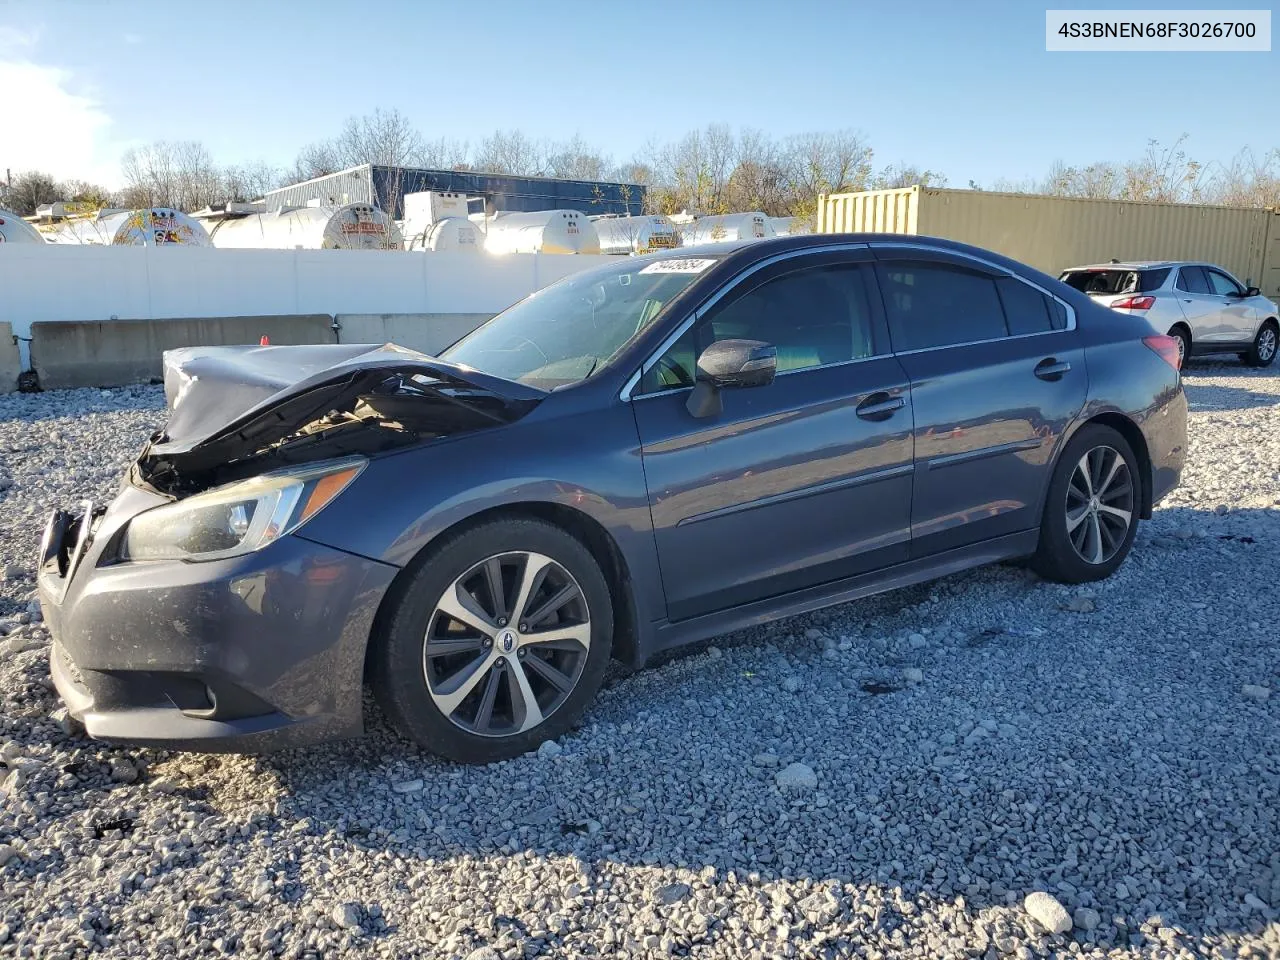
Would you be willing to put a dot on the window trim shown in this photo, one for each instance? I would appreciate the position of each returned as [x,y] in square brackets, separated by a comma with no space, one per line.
[1210,270]
[633,381]
[626,394]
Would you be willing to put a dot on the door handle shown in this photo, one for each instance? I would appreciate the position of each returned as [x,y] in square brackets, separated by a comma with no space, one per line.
[1051,368]
[879,406]
[1186,300]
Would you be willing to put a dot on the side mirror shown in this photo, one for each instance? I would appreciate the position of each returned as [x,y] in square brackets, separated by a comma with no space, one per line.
[730,364]
[1253,292]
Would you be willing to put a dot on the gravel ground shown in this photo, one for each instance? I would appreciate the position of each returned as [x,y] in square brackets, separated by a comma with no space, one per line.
[960,769]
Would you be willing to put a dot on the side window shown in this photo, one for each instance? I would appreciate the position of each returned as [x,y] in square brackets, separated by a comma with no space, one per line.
[1193,280]
[938,305]
[1027,310]
[814,316]
[1223,285]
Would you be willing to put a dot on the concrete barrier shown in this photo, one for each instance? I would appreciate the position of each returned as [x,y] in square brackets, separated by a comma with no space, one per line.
[10,359]
[427,332]
[116,352]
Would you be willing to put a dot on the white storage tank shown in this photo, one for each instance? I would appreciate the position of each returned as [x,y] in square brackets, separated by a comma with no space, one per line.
[13,229]
[438,221]
[627,235]
[788,226]
[726,228]
[152,226]
[354,226]
[547,231]
[455,233]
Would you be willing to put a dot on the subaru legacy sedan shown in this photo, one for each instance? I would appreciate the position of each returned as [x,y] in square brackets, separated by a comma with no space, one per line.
[1201,305]
[640,456]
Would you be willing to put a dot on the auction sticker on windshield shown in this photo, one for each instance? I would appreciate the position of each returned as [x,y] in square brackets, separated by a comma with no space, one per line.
[678,266]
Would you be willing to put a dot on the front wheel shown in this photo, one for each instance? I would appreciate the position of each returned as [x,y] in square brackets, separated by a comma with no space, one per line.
[496,643]
[1263,351]
[1091,512]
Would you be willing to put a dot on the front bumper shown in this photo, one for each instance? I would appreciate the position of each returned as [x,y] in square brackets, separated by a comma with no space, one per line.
[249,654]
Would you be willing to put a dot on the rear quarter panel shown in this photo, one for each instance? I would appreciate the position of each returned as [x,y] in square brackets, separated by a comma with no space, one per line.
[1127,377]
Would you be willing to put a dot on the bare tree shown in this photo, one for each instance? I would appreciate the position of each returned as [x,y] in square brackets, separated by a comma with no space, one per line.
[900,175]
[1248,181]
[833,162]
[574,159]
[512,152]
[177,174]
[446,154]
[249,182]
[30,189]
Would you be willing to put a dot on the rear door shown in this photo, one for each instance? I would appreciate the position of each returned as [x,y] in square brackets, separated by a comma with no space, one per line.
[1236,312]
[997,375]
[802,482]
[1201,307]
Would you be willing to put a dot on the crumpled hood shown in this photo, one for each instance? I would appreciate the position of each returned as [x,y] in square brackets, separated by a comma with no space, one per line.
[215,391]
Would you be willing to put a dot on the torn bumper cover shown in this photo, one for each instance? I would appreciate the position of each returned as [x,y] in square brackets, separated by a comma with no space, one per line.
[259,647]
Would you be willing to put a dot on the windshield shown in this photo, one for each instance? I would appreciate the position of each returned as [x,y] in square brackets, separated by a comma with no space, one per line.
[566,332]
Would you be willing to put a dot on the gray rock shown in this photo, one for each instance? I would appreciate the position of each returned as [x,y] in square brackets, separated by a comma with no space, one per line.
[415,786]
[1080,605]
[484,953]
[1086,918]
[796,776]
[123,771]
[1255,692]
[766,760]
[12,571]
[673,893]
[346,916]
[913,675]
[549,749]
[7,853]
[916,641]
[1047,911]
[792,684]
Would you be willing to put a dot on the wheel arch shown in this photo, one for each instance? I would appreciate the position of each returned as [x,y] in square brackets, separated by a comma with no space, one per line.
[1133,435]
[627,646]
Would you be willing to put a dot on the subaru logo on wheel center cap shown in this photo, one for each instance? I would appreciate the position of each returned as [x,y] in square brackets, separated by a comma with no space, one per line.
[507,641]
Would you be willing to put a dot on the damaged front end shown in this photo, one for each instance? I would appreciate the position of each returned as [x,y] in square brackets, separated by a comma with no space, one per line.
[239,412]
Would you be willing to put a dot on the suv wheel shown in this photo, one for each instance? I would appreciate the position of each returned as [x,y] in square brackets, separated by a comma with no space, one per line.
[1091,512]
[1263,351]
[496,643]
[1183,336]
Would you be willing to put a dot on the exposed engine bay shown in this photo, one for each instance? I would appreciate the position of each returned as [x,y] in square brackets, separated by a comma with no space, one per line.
[366,402]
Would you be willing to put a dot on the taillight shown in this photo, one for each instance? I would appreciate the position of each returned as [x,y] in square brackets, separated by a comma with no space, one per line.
[1167,347]
[1134,303]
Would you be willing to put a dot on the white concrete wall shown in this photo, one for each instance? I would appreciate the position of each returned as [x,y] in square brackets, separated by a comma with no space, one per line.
[89,283]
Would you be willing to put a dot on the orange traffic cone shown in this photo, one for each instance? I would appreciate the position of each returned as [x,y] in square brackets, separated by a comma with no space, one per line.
[265,341]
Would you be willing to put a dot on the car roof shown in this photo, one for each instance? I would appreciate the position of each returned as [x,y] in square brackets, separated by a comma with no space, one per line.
[1135,265]
[742,252]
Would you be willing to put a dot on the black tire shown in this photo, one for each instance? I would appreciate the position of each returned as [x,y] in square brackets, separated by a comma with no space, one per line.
[1264,349]
[1184,337]
[1057,557]
[399,666]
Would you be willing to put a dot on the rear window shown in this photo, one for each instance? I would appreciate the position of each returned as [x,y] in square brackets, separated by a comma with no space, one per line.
[1109,282]
[1027,310]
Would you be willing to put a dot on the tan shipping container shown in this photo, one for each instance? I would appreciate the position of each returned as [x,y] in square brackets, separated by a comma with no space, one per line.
[1053,233]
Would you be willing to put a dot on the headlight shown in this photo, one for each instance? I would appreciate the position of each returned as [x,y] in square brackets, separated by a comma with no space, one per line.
[239,518]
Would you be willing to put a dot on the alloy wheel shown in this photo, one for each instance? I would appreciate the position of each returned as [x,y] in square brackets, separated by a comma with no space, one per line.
[1099,504]
[1267,344]
[506,644]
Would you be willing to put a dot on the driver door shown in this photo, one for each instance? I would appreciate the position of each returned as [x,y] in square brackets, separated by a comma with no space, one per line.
[798,483]
[1236,311]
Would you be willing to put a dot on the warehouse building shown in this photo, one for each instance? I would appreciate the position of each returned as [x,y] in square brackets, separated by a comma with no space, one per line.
[387,186]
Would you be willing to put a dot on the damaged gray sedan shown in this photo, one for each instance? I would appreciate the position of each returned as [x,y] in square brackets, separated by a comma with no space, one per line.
[640,456]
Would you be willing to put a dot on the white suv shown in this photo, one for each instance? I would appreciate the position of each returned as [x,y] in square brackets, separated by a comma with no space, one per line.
[1204,306]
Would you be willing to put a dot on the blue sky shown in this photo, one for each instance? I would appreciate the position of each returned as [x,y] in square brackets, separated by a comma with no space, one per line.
[965,88]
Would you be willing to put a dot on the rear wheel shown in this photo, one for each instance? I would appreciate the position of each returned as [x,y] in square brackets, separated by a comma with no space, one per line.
[1263,351]
[1183,336]
[1091,512]
[497,643]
